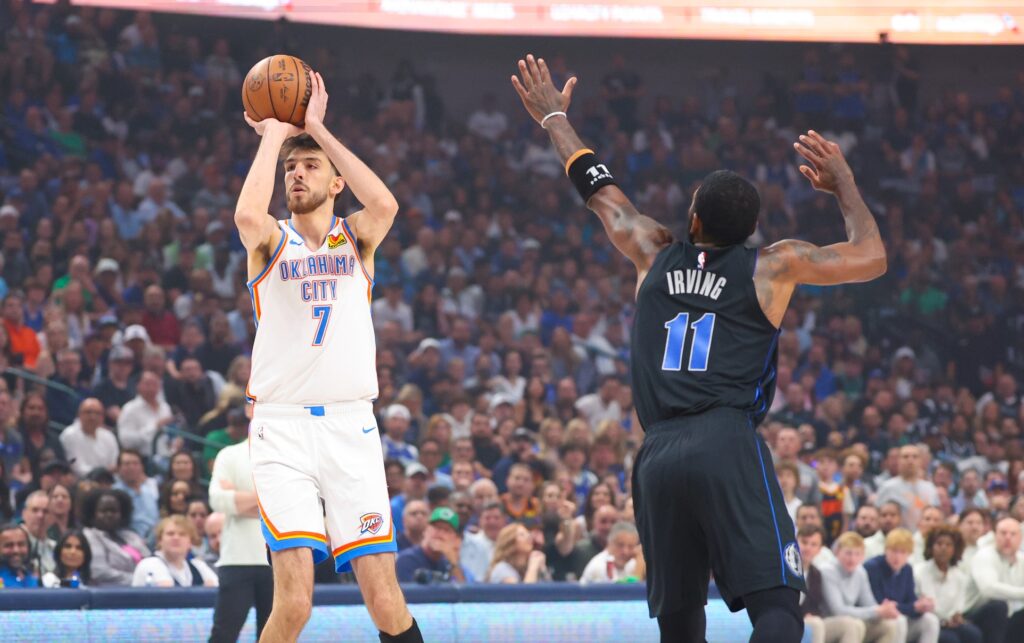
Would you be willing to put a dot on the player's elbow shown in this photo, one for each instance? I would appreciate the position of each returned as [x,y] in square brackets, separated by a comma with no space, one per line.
[385,206]
[246,218]
[878,265]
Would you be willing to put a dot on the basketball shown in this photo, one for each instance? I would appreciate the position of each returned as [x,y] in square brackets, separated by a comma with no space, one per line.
[277,87]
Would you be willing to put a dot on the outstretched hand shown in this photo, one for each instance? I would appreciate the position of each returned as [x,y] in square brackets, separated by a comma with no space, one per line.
[830,170]
[261,127]
[537,91]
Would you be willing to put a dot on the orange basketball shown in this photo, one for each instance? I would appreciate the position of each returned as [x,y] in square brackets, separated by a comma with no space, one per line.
[277,87]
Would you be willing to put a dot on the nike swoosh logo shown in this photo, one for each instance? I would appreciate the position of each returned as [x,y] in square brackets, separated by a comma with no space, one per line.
[369,429]
[294,242]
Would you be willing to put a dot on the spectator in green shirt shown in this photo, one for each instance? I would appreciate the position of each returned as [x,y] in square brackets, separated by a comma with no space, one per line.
[236,431]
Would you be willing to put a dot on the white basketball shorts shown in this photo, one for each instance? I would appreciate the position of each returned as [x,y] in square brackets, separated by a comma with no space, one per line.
[319,475]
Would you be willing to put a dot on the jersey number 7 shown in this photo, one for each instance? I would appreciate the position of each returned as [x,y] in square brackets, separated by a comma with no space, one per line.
[323,314]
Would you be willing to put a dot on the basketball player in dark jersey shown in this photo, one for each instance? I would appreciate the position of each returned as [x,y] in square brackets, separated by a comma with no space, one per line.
[704,344]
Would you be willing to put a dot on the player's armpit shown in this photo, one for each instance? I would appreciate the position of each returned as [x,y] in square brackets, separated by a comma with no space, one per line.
[258,230]
[371,227]
[639,237]
[261,236]
[800,262]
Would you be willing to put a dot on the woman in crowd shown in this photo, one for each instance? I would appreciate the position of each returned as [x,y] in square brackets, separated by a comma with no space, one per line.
[170,566]
[116,549]
[73,562]
[183,466]
[515,560]
[197,512]
[536,407]
[511,382]
[232,395]
[174,497]
[940,579]
[599,495]
[61,517]
[440,429]
[558,529]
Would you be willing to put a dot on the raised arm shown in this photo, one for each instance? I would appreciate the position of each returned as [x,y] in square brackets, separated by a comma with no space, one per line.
[259,231]
[790,262]
[371,224]
[636,236]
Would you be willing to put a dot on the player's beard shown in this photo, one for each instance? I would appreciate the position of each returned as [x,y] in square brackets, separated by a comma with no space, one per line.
[306,201]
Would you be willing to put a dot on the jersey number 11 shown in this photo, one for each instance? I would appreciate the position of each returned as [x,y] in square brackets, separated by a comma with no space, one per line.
[703,329]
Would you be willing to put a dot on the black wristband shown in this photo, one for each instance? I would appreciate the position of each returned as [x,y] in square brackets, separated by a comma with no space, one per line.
[588,175]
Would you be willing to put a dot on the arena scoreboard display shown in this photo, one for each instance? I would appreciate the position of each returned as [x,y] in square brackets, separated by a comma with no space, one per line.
[902,21]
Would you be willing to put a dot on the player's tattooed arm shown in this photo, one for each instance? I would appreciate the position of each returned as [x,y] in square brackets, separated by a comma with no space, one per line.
[635,235]
[862,257]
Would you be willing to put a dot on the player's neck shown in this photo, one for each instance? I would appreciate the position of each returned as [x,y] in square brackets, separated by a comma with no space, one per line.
[314,226]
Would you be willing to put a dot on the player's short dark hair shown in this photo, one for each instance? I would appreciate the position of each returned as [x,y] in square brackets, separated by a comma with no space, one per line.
[727,205]
[303,142]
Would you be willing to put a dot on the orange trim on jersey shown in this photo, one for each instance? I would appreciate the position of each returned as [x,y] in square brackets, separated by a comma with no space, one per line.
[375,540]
[255,287]
[576,155]
[285,535]
[355,249]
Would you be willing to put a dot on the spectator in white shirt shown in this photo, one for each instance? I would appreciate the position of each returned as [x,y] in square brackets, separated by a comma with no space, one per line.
[602,405]
[396,423]
[789,478]
[170,567]
[246,579]
[940,579]
[487,122]
[391,308]
[908,489]
[973,524]
[87,443]
[618,561]
[997,574]
[866,523]
[478,547]
[143,418]
[157,202]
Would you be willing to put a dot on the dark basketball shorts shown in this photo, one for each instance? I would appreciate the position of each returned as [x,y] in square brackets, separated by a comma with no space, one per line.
[707,501]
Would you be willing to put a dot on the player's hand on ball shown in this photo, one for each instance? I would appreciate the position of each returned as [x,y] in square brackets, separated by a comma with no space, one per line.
[539,95]
[266,124]
[830,171]
[317,107]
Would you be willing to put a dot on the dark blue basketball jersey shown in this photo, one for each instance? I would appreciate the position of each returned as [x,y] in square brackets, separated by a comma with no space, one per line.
[700,338]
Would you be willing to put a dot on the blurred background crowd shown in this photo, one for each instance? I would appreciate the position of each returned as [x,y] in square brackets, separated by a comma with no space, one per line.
[502,312]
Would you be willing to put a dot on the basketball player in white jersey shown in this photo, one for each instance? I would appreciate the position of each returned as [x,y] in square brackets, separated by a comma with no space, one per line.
[313,434]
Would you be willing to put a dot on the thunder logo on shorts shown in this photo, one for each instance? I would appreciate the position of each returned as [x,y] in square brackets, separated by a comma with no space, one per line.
[370,523]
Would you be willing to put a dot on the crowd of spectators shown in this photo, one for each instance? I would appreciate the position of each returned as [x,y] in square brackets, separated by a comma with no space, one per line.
[502,315]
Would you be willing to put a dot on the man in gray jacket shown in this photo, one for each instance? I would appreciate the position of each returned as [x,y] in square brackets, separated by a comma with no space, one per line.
[847,592]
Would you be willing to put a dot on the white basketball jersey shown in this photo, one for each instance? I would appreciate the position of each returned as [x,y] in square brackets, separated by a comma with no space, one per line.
[314,336]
